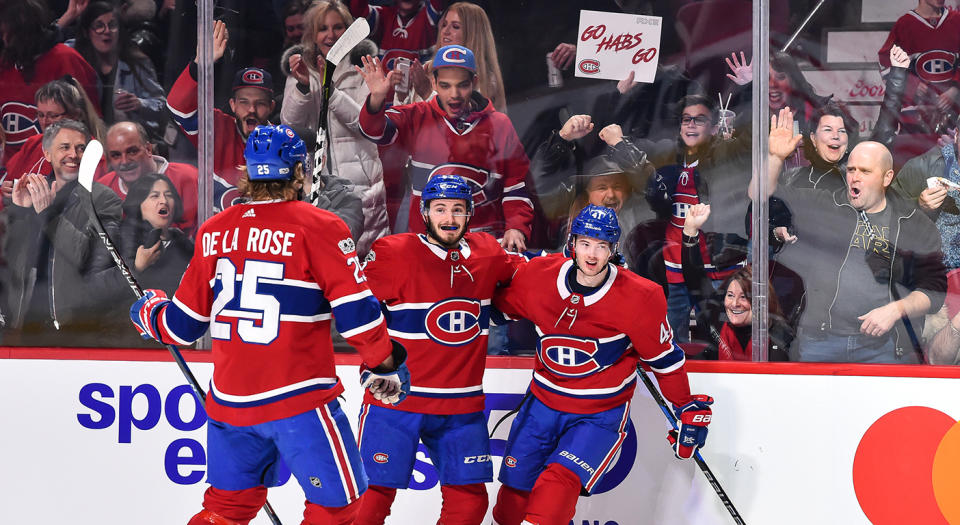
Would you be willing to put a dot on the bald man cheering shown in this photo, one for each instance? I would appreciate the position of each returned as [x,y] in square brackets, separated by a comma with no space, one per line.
[870,261]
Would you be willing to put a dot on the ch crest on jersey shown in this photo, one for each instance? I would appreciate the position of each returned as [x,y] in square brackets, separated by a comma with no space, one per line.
[477,178]
[936,66]
[19,122]
[454,322]
[390,57]
[569,356]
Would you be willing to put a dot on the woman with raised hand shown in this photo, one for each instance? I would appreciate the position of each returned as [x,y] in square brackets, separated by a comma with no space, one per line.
[346,153]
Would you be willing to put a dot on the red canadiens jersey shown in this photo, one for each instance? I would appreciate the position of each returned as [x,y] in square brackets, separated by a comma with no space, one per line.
[18,110]
[483,149]
[228,143]
[396,38]
[933,48]
[438,306]
[267,278]
[184,179]
[590,345]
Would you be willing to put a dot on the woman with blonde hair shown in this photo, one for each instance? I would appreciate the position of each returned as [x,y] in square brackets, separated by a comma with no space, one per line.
[346,152]
[467,25]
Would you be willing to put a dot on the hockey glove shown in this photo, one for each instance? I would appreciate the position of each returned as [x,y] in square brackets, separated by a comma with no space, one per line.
[389,386]
[692,419]
[145,311]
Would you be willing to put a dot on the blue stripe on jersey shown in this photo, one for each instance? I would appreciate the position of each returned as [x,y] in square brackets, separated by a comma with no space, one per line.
[389,134]
[188,122]
[181,325]
[667,361]
[451,322]
[580,395]
[294,300]
[354,314]
[272,399]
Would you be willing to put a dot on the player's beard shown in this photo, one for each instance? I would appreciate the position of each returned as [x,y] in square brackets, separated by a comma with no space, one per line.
[434,234]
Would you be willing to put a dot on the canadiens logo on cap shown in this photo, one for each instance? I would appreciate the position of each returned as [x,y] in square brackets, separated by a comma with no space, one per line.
[253,77]
[455,55]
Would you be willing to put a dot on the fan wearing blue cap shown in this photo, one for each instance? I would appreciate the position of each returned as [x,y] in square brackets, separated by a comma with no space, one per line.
[454,80]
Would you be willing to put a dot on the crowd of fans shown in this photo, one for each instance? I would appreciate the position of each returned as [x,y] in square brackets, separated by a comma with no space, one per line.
[864,232]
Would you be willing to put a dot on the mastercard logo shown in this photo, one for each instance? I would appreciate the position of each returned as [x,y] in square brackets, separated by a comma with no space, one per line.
[907,468]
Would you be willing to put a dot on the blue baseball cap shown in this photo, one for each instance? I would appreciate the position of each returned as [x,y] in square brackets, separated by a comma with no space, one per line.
[455,56]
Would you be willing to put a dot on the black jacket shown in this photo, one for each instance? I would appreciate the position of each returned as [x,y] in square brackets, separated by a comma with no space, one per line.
[826,224]
[78,264]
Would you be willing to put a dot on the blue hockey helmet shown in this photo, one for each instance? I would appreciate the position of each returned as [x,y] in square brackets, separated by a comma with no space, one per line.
[598,222]
[273,152]
[446,187]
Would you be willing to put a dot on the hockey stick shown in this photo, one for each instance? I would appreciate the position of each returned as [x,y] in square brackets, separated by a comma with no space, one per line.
[88,165]
[354,34]
[696,457]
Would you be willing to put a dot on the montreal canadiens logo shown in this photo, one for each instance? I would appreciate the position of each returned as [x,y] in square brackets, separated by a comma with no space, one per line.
[455,55]
[589,66]
[936,65]
[476,178]
[380,457]
[454,322]
[569,356]
[19,122]
[510,461]
[254,76]
[391,56]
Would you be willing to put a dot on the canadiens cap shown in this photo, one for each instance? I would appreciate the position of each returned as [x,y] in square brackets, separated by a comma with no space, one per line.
[455,56]
[253,77]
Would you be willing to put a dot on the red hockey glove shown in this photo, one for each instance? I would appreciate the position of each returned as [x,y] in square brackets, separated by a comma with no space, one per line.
[692,420]
[144,312]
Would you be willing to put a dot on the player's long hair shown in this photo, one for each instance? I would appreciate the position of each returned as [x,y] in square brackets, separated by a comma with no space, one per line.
[311,26]
[478,37]
[266,190]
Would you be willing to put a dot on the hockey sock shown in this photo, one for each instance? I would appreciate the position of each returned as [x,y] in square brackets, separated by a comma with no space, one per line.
[240,506]
[553,500]
[463,504]
[375,505]
[208,517]
[314,514]
[511,505]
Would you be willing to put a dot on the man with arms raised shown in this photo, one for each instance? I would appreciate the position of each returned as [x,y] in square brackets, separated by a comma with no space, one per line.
[251,105]
[455,133]
[870,260]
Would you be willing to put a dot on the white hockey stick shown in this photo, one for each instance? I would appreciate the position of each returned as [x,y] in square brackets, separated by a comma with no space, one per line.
[88,165]
[354,34]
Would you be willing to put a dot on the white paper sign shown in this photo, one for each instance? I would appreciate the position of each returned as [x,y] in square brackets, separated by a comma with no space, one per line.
[611,45]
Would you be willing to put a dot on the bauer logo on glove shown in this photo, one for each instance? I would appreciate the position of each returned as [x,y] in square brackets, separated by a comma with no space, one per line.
[692,418]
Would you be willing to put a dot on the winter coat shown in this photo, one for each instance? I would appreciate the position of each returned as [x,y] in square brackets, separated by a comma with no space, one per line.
[79,266]
[350,155]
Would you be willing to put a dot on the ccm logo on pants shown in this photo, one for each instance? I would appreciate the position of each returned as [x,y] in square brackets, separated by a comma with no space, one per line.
[477,459]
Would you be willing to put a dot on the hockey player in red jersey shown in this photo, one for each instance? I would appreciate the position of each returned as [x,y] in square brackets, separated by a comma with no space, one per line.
[251,104]
[456,132]
[596,321]
[436,290]
[266,277]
